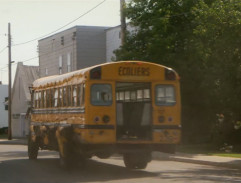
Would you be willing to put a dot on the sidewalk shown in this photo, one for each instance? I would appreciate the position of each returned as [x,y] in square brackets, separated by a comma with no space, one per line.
[22,141]
[219,161]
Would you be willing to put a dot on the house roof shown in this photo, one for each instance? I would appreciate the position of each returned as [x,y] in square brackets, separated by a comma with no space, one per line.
[27,75]
[76,27]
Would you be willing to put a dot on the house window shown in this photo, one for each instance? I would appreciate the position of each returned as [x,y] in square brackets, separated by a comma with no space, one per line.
[62,40]
[6,105]
[74,36]
[60,64]
[69,62]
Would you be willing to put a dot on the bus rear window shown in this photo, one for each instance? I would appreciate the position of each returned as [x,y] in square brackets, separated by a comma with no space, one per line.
[165,95]
[101,94]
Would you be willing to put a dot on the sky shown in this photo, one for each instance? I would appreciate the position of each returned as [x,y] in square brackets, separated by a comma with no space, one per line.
[32,20]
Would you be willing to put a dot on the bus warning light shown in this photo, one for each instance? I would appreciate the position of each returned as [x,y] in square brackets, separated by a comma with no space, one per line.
[95,73]
[170,74]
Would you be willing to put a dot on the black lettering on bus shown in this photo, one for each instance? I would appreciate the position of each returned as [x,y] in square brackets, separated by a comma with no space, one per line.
[134,71]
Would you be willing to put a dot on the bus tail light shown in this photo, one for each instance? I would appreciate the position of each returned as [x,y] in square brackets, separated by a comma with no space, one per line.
[96,119]
[170,74]
[95,73]
[106,119]
[161,119]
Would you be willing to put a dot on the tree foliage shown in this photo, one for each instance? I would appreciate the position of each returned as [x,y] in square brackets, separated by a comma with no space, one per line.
[201,39]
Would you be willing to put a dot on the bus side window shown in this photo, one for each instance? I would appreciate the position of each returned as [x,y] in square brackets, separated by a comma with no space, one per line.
[55,97]
[82,98]
[48,98]
[36,99]
[52,97]
[64,97]
[44,99]
[78,95]
[69,96]
[74,98]
[60,101]
[40,99]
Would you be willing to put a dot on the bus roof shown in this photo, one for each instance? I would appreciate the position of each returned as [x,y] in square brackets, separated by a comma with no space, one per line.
[43,82]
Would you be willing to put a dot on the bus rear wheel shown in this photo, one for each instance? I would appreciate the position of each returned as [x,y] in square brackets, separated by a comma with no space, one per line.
[71,159]
[33,148]
[136,160]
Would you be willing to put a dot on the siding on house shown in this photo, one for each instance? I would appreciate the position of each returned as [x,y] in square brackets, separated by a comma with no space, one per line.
[85,44]
[91,46]
[3,112]
[51,48]
[113,40]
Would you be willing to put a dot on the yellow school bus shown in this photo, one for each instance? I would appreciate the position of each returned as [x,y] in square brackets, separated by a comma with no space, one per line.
[127,107]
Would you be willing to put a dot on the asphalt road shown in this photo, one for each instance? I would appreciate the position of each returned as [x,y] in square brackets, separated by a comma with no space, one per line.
[15,167]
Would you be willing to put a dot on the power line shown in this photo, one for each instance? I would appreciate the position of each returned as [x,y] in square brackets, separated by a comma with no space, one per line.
[32,58]
[3,49]
[62,26]
[1,69]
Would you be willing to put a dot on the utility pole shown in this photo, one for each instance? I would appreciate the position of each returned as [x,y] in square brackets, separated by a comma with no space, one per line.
[123,22]
[9,85]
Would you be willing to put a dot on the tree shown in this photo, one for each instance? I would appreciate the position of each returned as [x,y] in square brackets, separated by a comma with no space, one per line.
[217,33]
[201,40]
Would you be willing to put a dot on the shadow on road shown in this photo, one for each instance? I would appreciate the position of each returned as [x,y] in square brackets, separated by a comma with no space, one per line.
[48,170]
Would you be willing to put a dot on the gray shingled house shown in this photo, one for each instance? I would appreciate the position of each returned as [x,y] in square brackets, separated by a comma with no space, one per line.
[72,49]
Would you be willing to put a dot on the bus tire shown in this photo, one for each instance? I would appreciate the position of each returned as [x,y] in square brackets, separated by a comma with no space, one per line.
[33,148]
[135,161]
[65,158]
[70,159]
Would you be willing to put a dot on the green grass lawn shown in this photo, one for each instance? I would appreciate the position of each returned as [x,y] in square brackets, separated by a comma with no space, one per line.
[206,149]
[231,155]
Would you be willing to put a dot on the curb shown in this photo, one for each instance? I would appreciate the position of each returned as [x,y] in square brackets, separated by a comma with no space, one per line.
[173,157]
[210,163]
[13,142]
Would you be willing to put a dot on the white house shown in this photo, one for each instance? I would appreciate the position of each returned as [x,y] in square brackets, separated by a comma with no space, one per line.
[113,40]
[21,98]
[3,107]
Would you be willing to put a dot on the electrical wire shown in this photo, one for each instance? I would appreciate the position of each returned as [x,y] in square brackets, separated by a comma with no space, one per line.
[62,26]
[29,59]
[3,49]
